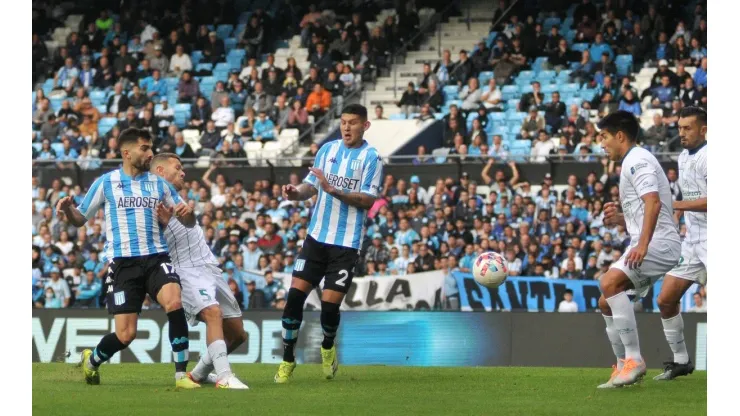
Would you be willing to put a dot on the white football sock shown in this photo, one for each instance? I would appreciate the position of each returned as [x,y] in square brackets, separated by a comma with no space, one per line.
[673,329]
[624,321]
[219,356]
[615,340]
[204,367]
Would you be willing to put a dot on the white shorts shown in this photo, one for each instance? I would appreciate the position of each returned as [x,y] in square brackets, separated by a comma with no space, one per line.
[202,287]
[693,263]
[661,257]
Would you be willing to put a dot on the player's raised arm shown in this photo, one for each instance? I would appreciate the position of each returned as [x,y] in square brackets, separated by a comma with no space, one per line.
[93,200]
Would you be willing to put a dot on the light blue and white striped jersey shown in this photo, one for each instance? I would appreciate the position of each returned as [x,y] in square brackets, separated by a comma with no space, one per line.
[350,170]
[131,225]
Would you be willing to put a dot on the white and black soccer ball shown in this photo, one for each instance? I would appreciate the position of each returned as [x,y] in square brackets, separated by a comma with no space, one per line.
[489,270]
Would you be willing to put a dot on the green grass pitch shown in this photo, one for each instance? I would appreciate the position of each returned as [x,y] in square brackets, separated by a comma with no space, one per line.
[136,389]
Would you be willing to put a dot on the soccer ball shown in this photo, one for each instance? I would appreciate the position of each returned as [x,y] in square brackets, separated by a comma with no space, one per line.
[489,270]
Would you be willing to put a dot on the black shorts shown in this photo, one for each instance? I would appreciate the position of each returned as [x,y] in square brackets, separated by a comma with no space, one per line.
[131,278]
[318,260]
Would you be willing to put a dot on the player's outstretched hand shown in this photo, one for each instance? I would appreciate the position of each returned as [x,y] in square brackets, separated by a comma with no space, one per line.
[322,180]
[635,256]
[183,210]
[290,192]
[610,213]
[63,204]
[164,214]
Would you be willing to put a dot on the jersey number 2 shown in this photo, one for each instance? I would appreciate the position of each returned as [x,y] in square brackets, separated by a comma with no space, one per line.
[343,275]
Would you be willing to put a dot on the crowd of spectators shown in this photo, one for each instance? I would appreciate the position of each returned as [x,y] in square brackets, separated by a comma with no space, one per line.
[138,68]
[412,228]
[585,48]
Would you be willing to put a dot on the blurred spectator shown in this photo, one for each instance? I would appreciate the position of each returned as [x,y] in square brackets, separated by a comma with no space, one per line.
[224,114]
[213,50]
[200,114]
[187,89]
[210,137]
[259,100]
[699,305]
[554,112]
[264,128]
[534,122]
[379,112]
[319,102]
[532,99]
[630,103]
[433,97]
[492,98]
[409,101]
[471,95]
[567,304]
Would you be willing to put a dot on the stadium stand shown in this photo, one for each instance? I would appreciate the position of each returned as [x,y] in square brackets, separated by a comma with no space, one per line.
[516,89]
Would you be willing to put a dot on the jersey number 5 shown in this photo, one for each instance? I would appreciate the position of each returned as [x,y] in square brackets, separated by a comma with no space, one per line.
[343,275]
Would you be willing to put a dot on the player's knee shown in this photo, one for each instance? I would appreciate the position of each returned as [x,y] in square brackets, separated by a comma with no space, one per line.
[604,305]
[211,314]
[329,308]
[296,300]
[126,335]
[666,303]
[172,305]
[612,286]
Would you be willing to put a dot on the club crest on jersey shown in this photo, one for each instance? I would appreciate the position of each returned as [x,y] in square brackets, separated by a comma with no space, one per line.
[299,265]
[355,165]
[147,186]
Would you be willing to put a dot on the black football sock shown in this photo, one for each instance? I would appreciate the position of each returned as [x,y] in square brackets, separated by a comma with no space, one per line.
[109,345]
[292,318]
[329,323]
[179,339]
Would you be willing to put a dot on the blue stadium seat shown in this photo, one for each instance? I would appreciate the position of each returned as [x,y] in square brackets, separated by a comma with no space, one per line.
[511,104]
[37,146]
[624,59]
[569,88]
[234,62]
[58,148]
[484,76]
[522,82]
[182,108]
[196,57]
[526,89]
[624,69]
[172,82]
[580,47]
[548,89]
[588,94]
[397,116]
[491,39]
[528,75]
[230,44]
[573,100]
[221,75]
[514,128]
[545,76]
[509,92]
[550,22]
[102,108]
[537,64]
[106,124]
[204,67]
[451,92]
[56,103]
[517,116]
[567,24]
[224,31]
[439,116]
[563,75]
[496,116]
[239,29]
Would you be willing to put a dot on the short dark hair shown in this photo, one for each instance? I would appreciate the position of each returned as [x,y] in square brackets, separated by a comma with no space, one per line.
[132,135]
[623,121]
[693,111]
[356,109]
[568,291]
[163,157]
